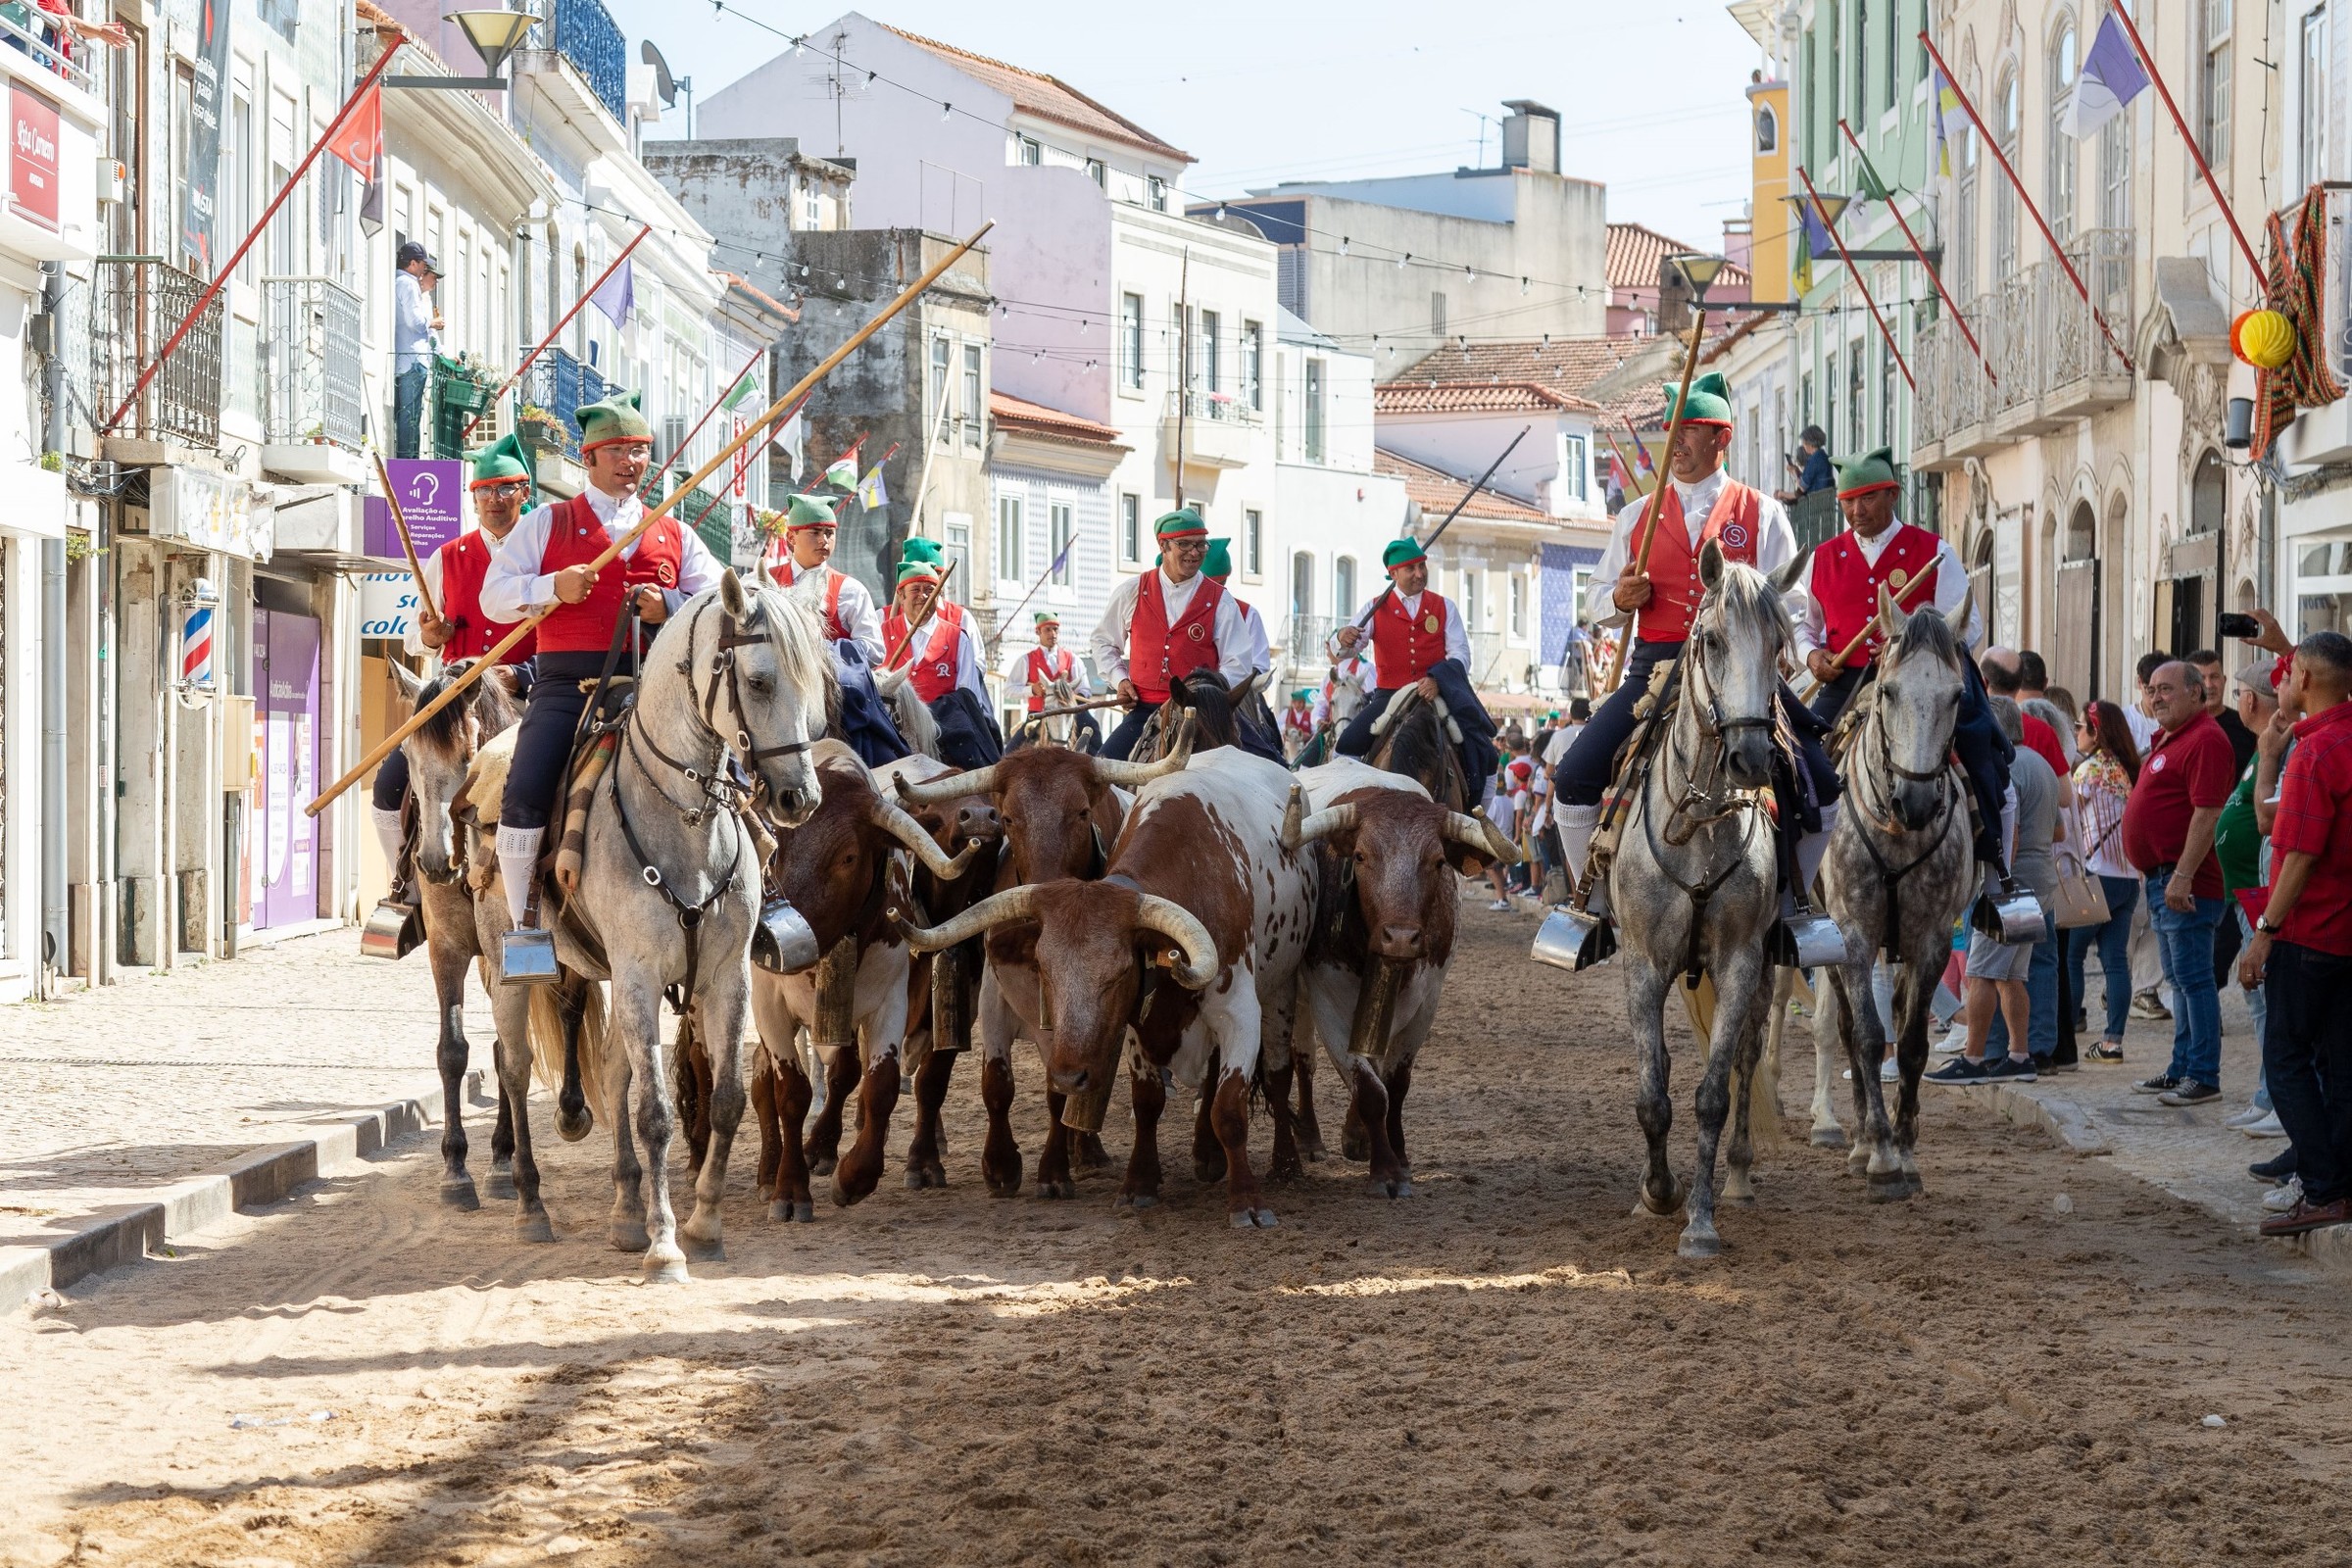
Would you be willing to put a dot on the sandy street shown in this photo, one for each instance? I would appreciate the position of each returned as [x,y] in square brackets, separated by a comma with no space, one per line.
[1507,1368]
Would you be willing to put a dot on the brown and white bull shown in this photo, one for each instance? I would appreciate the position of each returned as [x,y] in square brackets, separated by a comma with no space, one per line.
[1385,857]
[1193,939]
[1060,811]
[857,1002]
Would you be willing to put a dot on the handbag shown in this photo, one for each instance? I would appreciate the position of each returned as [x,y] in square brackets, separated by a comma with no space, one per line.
[2081,899]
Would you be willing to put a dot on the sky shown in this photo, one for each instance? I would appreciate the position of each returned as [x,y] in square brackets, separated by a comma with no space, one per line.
[1648,91]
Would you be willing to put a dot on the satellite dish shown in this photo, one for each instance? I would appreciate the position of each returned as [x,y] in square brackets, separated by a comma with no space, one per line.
[665,86]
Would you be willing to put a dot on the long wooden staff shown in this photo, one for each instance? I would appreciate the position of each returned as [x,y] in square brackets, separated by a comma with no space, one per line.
[611,551]
[407,546]
[890,656]
[1656,507]
[1901,584]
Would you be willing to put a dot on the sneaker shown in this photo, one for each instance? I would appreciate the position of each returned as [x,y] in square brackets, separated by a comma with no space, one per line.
[2246,1117]
[2278,1168]
[2268,1127]
[2010,1070]
[2309,1217]
[1889,1072]
[1951,1045]
[2161,1084]
[2147,1005]
[2191,1093]
[2106,1053]
[1959,1071]
[1501,906]
[2278,1199]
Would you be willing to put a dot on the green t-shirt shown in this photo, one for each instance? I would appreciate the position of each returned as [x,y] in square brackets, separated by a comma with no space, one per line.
[2237,836]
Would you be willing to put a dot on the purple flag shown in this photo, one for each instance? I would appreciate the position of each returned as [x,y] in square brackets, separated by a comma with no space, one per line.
[616,295]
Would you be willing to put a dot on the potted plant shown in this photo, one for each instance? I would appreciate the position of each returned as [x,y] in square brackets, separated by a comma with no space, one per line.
[539,429]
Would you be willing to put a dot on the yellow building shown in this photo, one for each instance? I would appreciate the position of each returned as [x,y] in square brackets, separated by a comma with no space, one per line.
[1770,252]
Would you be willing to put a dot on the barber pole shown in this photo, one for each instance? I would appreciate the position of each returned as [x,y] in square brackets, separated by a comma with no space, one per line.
[196,649]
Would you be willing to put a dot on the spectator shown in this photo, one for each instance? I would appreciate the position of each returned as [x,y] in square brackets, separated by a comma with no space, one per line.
[2301,950]
[2103,782]
[2238,843]
[2017,980]
[1811,465]
[2218,704]
[2002,679]
[2143,725]
[412,326]
[2053,716]
[2168,833]
[1509,783]
[2032,675]
[2065,703]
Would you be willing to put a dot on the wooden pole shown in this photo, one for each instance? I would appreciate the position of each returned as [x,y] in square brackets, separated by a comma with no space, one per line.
[407,546]
[1990,145]
[1846,256]
[611,551]
[1934,276]
[539,348]
[890,656]
[654,476]
[1184,362]
[1656,507]
[1901,584]
[2140,45]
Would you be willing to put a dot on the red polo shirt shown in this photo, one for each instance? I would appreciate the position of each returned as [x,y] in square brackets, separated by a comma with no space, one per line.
[2187,769]
[2313,819]
[2043,741]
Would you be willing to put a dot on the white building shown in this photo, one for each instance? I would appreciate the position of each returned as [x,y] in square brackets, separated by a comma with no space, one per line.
[1049,476]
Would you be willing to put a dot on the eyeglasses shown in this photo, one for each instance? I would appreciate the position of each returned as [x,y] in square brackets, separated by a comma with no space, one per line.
[504,492]
[1189,546]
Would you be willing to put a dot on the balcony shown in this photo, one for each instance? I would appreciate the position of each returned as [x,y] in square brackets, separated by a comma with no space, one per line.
[137,302]
[1218,429]
[2049,362]
[311,399]
[49,45]
[580,60]
[712,517]
[561,385]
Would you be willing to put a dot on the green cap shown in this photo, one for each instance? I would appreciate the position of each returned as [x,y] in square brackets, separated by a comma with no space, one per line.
[1710,400]
[1218,563]
[1302,694]
[927,570]
[502,461]
[1185,522]
[620,418]
[917,548]
[1045,617]
[810,511]
[1400,550]
[1873,471]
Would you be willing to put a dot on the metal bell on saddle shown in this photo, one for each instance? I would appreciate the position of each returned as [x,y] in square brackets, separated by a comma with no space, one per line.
[393,931]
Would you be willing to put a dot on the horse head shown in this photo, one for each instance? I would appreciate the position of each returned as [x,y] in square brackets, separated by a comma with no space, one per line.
[1733,673]
[439,750]
[759,674]
[1916,706]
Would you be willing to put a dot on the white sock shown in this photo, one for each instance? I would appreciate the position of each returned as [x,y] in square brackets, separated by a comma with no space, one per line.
[518,863]
[389,833]
[1578,824]
[1811,847]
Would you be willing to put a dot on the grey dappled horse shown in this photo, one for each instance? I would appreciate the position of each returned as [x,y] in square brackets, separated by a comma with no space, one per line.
[1903,837]
[1694,880]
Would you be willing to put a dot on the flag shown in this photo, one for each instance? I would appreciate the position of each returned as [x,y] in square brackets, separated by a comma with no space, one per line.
[1813,242]
[1949,119]
[739,391]
[371,200]
[616,295]
[2111,79]
[792,438]
[843,473]
[872,494]
[361,135]
[1870,187]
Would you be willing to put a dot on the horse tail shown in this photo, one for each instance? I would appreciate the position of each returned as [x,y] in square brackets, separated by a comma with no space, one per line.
[596,1049]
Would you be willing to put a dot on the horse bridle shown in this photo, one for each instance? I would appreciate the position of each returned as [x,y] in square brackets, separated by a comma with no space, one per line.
[1946,797]
[1699,804]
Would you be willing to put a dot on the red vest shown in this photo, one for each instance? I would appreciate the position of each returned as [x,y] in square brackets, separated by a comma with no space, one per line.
[1403,646]
[1160,655]
[935,670]
[782,570]
[1675,588]
[464,561]
[576,537]
[1846,584]
[1047,667]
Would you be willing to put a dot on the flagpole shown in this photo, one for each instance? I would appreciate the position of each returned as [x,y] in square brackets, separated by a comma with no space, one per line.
[709,414]
[2139,47]
[227,269]
[1995,147]
[1934,275]
[539,348]
[1633,475]
[1847,256]
[1052,566]
[1642,463]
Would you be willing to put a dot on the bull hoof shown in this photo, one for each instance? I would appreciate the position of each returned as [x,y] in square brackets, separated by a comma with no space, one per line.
[1254,1219]
[1064,1188]
[785,1210]
[822,1165]
[629,1235]
[931,1173]
[1697,1243]
[1830,1137]
[1356,1144]
[458,1193]
[1136,1202]
[845,1196]
[1205,1171]
[534,1227]
[666,1266]
[1086,1151]
[502,1179]
[573,1125]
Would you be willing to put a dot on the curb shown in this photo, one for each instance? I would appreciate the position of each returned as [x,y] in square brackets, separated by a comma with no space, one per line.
[171,1213]
[2061,1120]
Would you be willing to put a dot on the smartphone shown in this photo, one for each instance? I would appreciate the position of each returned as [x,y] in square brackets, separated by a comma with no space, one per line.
[2243,627]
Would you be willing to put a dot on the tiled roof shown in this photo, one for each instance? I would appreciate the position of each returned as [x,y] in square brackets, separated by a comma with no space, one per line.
[1635,253]
[1022,414]
[1046,97]
[1567,366]
[1437,491]
[1474,397]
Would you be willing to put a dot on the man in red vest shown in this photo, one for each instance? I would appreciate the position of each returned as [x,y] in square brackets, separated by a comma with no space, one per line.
[1417,639]
[797,562]
[543,564]
[1166,624]
[1035,670]
[930,632]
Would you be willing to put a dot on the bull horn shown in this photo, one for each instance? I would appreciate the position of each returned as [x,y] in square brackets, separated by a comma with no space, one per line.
[1477,833]
[1297,831]
[946,787]
[998,908]
[888,681]
[892,819]
[1179,925]
[1134,775]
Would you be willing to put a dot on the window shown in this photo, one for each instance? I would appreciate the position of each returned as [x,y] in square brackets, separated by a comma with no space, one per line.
[1302,588]
[1576,467]
[1058,522]
[976,412]
[2311,129]
[1254,366]
[1855,376]
[2115,172]
[1131,340]
[1964,210]
[2004,197]
[1890,53]
[958,551]
[1314,411]
[1343,586]
[1437,313]
[1811,85]
[1470,605]
[2213,79]
[2058,185]
[1097,172]
[1011,563]
[1179,351]
[1768,130]
[1253,538]
[1518,608]
[236,176]
[1131,527]
[941,358]
[1029,153]
[1212,361]
[1155,190]
[1861,98]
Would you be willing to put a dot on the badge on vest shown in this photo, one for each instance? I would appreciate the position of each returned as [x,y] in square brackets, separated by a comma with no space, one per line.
[1197,632]
[1429,623]
[665,574]
[1735,537]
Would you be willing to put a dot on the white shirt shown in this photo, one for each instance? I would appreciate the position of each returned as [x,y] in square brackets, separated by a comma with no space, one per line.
[516,589]
[1261,647]
[1457,635]
[413,638]
[1951,587]
[1112,631]
[1017,674]
[411,324]
[858,616]
[967,653]
[1776,542]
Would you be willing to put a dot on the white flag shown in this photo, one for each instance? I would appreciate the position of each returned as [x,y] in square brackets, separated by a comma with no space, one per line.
[790,439]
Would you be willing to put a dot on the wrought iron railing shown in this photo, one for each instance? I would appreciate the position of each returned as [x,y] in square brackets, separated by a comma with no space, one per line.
[583,33]
[712,517]
[48,41]
[562,384]
[1814,518]
[1303,637]
[463,419]
[1217,408]
[2037,335]
[310,361]
[138,303]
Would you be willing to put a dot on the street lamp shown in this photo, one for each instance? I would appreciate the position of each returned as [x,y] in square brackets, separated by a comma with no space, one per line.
[494,35]
[1701,272]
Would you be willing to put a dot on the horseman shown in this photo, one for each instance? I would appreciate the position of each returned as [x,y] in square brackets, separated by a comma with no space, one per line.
[1254,721]
[1418,639]
[928,634]
[1703,503]
[453,579]
[1840,603]
[1166,624]
[1297,722]
[592,616]
[801,552]
[1036,671]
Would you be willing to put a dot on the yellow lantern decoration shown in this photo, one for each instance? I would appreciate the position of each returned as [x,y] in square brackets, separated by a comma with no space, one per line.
[2264,339]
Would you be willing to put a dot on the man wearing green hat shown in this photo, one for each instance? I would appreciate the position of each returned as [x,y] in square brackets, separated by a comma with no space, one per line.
[1297,722]
[1254,720]
[544,565]
[797,562]
[928,636]
[1418,639]
[1034,670]
[1166,624]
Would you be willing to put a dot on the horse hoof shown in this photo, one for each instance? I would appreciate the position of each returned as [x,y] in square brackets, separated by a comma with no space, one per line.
[714,1251]
[822,1165]
[845,1196]
[920,1177]
[1891,1188]
[572,1128]
[784,1212]
[533,1228]
[667,1269]
[1700,1243]
[1737,1189]
[1662,1207]
[1828,1138]
[1254,1219]
[459,1193]
[1136,1202]
[1858,1160]
[502,1182]
[629,1235]
[1064,1188]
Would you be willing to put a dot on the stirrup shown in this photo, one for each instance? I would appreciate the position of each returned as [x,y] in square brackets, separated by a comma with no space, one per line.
[2012,915]
[394,930]
[528,957]
[782,943]
[1805,939]
[1572,938]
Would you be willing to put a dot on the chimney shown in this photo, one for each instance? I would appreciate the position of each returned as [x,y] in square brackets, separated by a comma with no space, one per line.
[1530,137]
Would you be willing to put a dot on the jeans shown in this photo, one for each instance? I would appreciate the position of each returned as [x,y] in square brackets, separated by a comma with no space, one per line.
[2041,1000]
[2258,1004]
[2307,1061]
[2187,943]
[2114,940]
[408,412]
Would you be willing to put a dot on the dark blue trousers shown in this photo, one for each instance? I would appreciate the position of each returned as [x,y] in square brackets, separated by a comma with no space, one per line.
[1477,751]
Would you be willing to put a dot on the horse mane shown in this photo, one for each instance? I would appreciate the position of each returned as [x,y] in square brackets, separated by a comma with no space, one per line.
[808,658]
[490,700]
[1927,632]
[1204,693]
[1747,590]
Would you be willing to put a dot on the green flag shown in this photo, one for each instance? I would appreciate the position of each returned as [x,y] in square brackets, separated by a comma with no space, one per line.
[1874,189]
[741,390]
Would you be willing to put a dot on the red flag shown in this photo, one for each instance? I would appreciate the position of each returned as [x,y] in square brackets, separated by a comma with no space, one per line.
[361,136]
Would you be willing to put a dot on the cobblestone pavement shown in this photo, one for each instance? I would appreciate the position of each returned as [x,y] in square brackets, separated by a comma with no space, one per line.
[107,1092]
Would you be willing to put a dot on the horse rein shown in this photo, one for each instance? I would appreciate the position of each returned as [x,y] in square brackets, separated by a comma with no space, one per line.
[1946,798]
[1698,804]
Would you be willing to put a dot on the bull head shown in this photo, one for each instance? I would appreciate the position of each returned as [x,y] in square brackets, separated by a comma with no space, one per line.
[983,780]
[1398,848]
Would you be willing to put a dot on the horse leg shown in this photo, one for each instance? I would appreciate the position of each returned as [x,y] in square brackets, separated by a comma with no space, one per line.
[1646,1002]
[924,1165]
[501,1138]
[842,1072]
[1738,1181]
[1764,1086]
[1209,1150]
[448,989]
[1829,1024]
[720,1008]
[1873,1140]
[511,1005]
[1148,1093]
[637,1025]
[1735,990]
[572,1116]
[1310,1132]
[626,1227]
[1914,997]
[693,1067]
